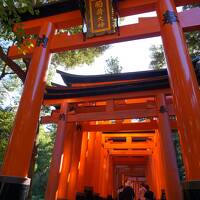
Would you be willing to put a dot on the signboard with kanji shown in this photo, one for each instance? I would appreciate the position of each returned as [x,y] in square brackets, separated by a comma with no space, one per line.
[99,17]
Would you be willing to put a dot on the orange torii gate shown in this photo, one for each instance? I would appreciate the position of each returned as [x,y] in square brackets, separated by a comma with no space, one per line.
[84,108]
[169,25]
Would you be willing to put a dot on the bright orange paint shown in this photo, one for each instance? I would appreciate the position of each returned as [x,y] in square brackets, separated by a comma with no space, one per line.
[66,175]
[57,156]
[67,153]
[76,152]
[66,20]
[19,152]
[101,171]
[110,177]
[81,173]
[169,164]
[185,89]
[97,155]
[157,164]
[89,179]
[147,27]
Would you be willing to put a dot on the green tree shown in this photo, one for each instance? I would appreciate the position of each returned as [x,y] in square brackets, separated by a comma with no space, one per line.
[11,11]
[179,158]
[157,57]
[193,38]
[45,145]
[113,66]
[6,120]
[70,59]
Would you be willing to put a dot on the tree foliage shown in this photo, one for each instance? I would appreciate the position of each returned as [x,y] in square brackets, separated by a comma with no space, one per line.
[193,39]
[6,120]
[73,58]
[11,12]
[157,57]
[179,157]
[113,66]
[158,60]
[45,145]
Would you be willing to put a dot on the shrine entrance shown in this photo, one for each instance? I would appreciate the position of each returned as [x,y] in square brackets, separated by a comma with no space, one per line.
[125,125]
[110,128]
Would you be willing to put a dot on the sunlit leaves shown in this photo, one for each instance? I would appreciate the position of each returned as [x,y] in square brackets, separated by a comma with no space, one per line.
[113,66]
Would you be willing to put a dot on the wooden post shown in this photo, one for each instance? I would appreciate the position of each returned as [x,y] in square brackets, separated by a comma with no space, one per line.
[169,164]
[67,157]
[185,91]
[97,155]
[101,171]
[105,174]
[57,156]
[89,179]
[110,177]
[184,86]
[154,176]
[73,179]
[158,169]
[149,173]
[18,155]
[19,151]
[81,174]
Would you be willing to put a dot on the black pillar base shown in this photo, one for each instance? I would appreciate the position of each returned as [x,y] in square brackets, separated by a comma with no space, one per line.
[191,190]
[14,188]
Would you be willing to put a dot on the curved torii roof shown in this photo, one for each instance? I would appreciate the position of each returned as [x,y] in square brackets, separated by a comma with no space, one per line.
[93,85]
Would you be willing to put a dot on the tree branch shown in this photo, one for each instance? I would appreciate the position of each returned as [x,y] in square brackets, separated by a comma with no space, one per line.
[3,72]
[16,68]
[9,73]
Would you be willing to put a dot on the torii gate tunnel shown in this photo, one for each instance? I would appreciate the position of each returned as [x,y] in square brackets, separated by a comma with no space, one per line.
[96,134]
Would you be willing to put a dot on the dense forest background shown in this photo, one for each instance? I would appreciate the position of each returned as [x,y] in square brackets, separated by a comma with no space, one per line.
[11,86]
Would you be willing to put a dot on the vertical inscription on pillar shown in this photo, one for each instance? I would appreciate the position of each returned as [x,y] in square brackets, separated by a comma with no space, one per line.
[169,17]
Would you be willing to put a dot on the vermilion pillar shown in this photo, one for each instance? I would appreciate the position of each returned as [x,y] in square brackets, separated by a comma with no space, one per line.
[159,171]
[57,155]
[156,167]
[19,151]
[73,178]
[101,171]
[169,164]
[89,179]
[105,174]
[110,176]
[184,86]
[149,174]
[81,173]
[186,94]
[97,156]
[67,157]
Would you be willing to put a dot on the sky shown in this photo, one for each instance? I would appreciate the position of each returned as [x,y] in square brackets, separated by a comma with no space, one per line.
[132,55]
